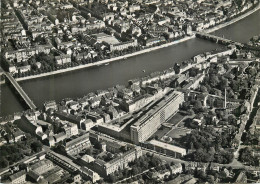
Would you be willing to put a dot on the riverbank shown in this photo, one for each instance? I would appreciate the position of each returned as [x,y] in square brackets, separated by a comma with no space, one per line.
[107,60]
[215,28]
[138,52]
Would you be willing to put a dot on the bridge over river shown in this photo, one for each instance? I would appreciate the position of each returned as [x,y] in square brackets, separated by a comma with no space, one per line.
[225,41]
[218,39]
[20,91]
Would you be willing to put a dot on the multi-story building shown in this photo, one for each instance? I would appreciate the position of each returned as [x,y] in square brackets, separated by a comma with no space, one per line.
[136,103]
[42,166]
[24,54]
[157,30]
[151,41]
[28,126]
[70,129]
[94,23]
[123,45]
[176,168]
[121,162]
[74,146]
[157,114]
[90,174]
[63,59]
[50,104]
[18,177]
[69,117]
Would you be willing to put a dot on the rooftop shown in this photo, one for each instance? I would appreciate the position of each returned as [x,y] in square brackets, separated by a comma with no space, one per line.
[168,146]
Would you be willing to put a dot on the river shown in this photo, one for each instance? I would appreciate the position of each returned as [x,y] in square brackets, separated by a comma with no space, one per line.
[80,82]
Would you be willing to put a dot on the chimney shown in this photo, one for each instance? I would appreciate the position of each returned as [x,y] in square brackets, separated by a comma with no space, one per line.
[225,103]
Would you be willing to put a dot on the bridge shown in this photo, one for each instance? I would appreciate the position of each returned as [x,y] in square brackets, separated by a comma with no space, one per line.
[218,39]
[19,89]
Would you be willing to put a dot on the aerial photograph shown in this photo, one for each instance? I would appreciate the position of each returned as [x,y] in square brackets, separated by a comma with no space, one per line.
[130,91]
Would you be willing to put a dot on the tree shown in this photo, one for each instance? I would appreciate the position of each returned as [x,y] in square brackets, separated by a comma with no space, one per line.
[202,175]
[246,156]
[36,146]
[202,156]
[177,68]
[238,3]
[214,80]
[233,55]
[163,167]
[193,72]
[197,106]
[134,171]
[155,161]
[203,89]
[223,84]
[191,112]
[227,66]
[112,178]
[25,63]
[210,179]
[3,162]
[145,165]
[23,166]
[252,71]
[232,119]
[185,105]
[217,92]
[120,174]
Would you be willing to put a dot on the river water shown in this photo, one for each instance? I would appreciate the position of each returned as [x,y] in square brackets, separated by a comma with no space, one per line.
[80,82]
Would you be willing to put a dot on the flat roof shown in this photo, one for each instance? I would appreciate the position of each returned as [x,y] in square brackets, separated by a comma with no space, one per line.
[155,107]
[168,146]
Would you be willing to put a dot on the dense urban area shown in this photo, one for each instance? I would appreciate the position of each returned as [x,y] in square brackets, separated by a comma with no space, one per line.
[46,36]
[196,122]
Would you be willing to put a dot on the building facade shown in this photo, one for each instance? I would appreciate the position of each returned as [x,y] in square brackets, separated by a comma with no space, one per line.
[121,162]
[157,114]
[18,177]
[74,146]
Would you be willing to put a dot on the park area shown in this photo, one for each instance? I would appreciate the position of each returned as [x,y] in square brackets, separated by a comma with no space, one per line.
[178,132]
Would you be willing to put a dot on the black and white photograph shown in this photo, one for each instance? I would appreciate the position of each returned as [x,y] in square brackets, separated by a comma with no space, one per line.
[130,91]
